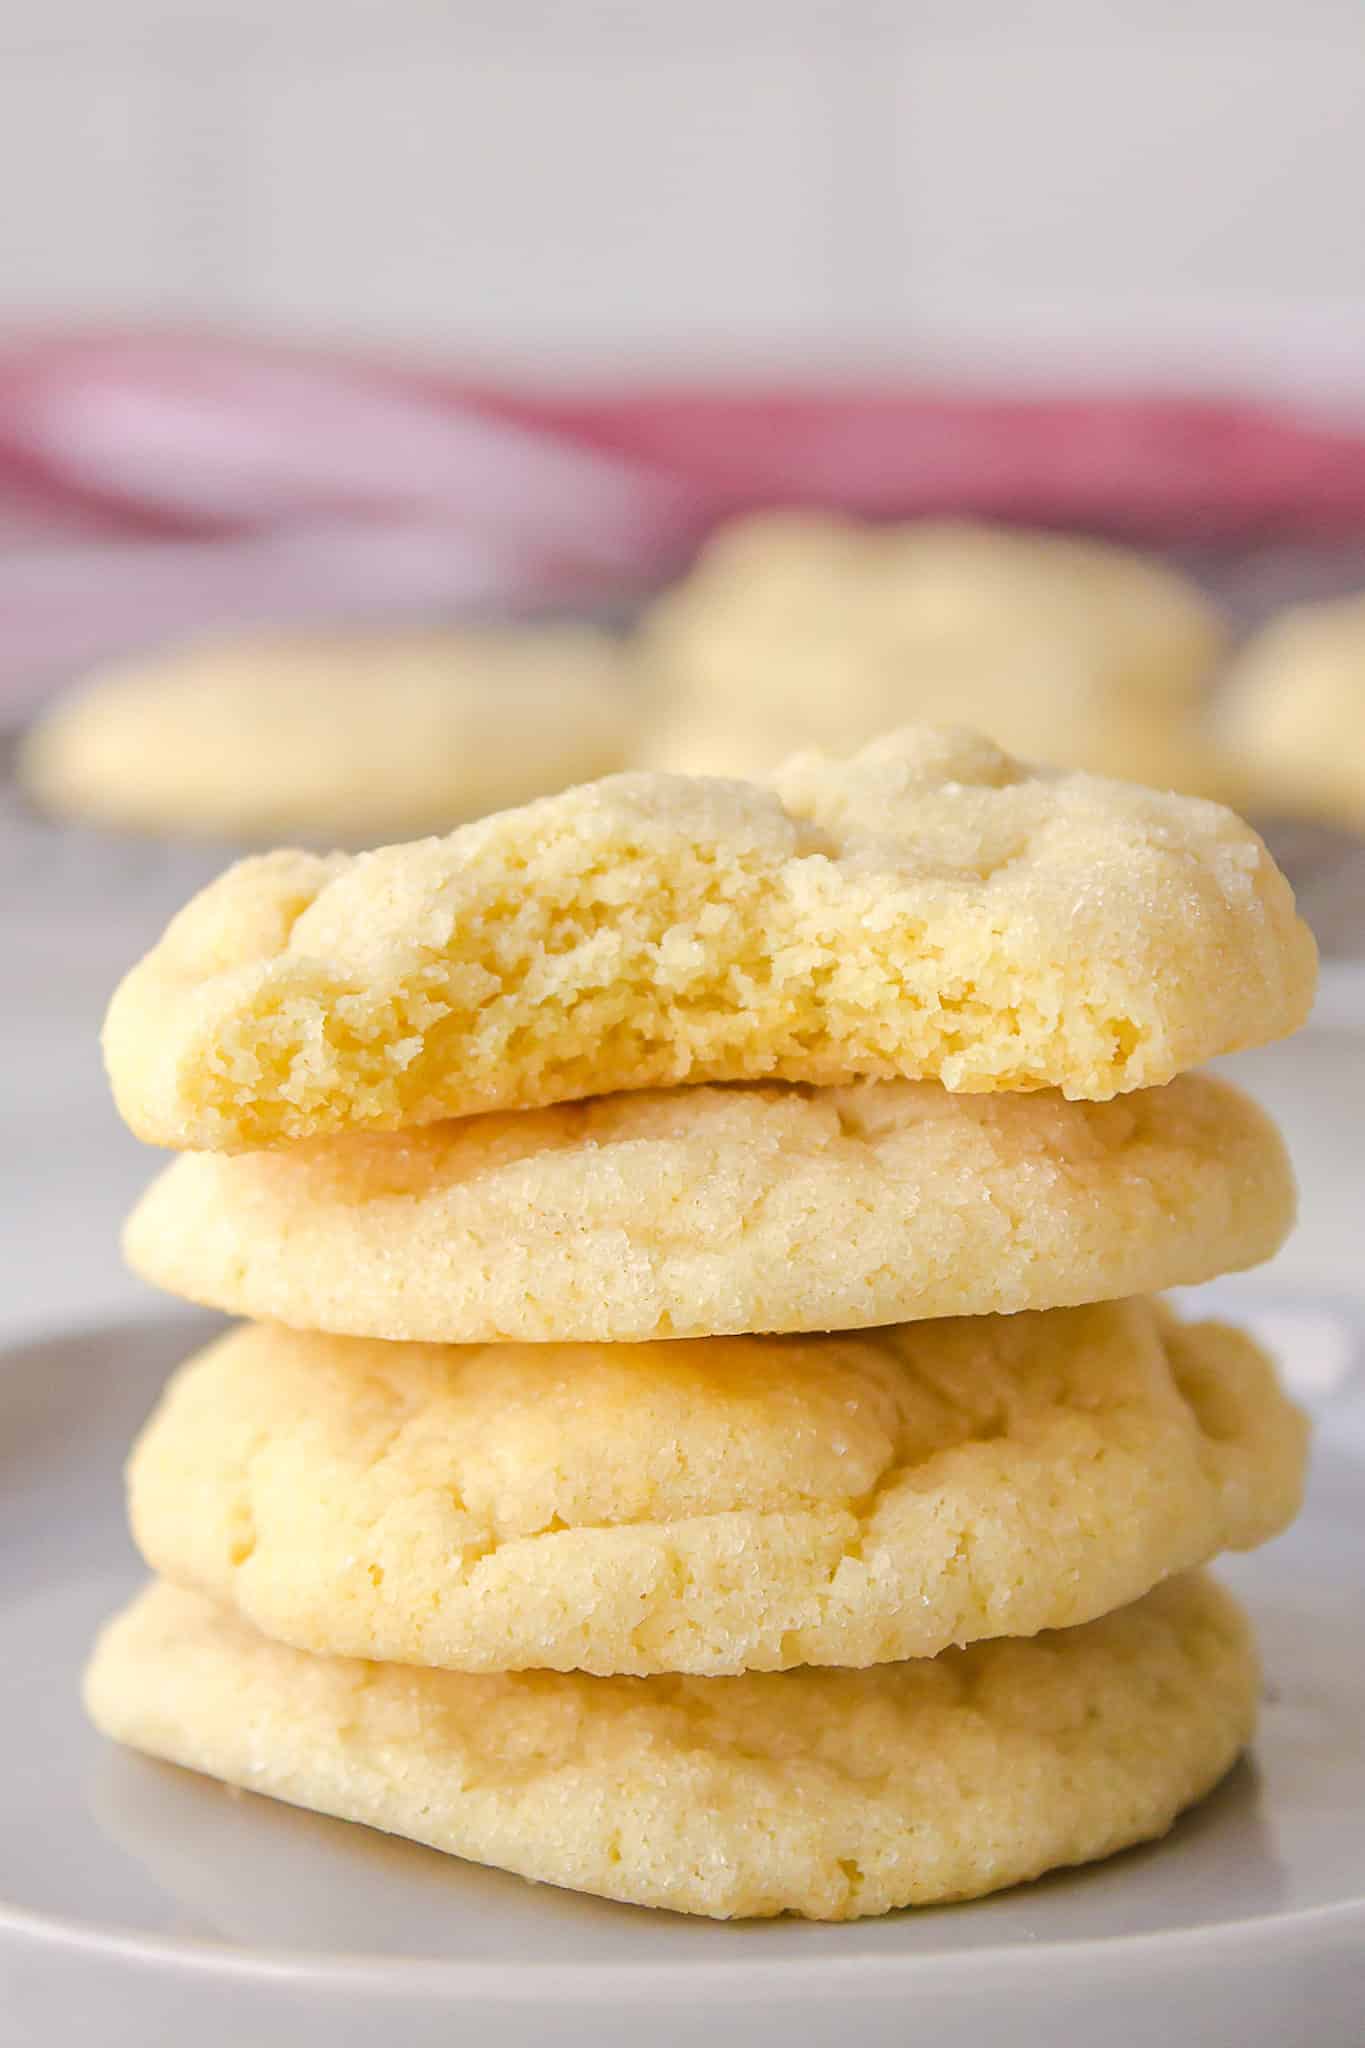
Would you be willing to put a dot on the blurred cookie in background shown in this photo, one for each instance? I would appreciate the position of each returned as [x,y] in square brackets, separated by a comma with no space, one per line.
[1292,715]
[352,735]
[801,630]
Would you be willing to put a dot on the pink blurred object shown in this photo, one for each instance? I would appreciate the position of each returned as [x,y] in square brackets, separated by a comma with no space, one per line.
[151,485]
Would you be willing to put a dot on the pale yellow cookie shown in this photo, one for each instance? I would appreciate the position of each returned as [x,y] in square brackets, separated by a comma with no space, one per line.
[928,909]
[1292,716]
[736,1503]
[799,629]
[345,736]
[834,1794]
[699,1212]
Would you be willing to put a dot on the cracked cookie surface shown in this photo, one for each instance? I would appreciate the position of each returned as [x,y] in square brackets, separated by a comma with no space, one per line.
[928,909]
[705,1211]
[714,1506]
[833,1794]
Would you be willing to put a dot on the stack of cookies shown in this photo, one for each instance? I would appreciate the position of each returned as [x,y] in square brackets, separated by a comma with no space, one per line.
[536,1514]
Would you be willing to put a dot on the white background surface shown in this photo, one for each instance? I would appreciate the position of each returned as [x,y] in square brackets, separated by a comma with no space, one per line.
[1075,188]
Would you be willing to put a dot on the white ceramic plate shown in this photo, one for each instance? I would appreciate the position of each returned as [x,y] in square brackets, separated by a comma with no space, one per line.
[140,1905]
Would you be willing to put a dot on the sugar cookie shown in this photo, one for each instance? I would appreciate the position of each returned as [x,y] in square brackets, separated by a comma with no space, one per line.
[1292,716]
[798,629]
[697,1212]
[834,1794]
[928,909]
[731,1504]
[354,736]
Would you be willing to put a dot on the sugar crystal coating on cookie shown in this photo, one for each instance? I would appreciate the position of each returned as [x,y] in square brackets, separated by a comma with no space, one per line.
[694,1212]
[715,1506]
[928,909]
[833,1794]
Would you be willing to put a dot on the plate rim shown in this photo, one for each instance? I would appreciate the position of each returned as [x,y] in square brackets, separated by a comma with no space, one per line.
[1220,1941]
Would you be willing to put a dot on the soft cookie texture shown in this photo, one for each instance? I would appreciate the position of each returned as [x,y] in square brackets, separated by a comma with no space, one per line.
[798,629]
[833,1794]
[725,1505]
[351,736]
[698,1212]
[1293,714]
[928,909]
